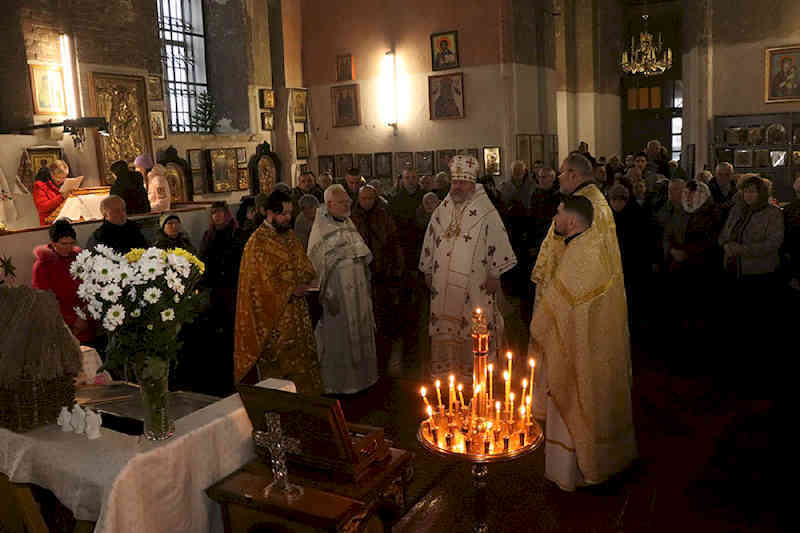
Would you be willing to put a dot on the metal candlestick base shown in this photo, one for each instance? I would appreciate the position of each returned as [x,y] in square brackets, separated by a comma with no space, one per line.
[480,466]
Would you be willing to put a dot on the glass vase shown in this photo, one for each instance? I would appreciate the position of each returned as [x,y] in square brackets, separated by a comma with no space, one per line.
[155,399]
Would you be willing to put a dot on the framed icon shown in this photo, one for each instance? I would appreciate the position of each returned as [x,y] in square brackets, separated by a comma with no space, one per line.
[446,96]
[266,98]
[47,86]
[345,106]
[444,50]
[301,143]
[157,127]
[155,88]
[491,160]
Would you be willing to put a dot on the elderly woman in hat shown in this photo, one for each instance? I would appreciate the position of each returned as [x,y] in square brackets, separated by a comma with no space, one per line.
[171,236]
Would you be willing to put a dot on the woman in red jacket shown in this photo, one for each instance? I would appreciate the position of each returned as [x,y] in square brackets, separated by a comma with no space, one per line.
[46,194]
[51,273]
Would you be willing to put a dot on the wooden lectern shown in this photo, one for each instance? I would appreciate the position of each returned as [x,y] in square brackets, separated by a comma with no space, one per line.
[352,480]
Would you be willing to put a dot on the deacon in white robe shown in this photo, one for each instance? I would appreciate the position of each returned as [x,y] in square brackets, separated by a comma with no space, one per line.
[465,251]
[345,334]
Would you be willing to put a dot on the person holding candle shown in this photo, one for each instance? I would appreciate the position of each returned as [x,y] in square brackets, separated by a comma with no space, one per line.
[585,377]
[466,250]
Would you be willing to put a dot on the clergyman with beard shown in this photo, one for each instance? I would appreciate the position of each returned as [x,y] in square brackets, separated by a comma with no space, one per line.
[346,331]
[273,326]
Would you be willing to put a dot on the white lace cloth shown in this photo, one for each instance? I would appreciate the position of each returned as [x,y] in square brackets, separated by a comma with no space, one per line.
[127,483]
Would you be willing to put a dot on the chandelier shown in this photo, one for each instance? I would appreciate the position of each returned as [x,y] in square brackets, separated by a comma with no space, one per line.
[649,57]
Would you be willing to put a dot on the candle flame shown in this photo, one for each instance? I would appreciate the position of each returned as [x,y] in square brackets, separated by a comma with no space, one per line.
[512,396]
[423,391]
[532,363]
[524,383]
[478,310]
[460,387]
[508,355]
[452,379]
[477,389]
[488,426]
[528,400]
[430,411]
[438,383]
[522,410]
[491,367]
[505,375]
[497,405]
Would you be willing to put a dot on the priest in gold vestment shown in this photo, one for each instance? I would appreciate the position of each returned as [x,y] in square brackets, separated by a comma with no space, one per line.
[273,327]
[580,340]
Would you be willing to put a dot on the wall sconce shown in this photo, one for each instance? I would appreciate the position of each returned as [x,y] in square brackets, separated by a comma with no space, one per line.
[388,88]
[65,46]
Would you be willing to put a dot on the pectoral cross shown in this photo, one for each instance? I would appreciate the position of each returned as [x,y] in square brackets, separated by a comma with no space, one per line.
[278,446]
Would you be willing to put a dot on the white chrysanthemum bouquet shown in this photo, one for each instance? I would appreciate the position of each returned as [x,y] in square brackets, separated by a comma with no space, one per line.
[141,299]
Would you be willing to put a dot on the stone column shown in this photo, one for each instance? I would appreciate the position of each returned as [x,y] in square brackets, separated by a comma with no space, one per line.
[698,77]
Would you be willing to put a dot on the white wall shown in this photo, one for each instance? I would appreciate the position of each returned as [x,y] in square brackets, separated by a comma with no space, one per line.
[486,121]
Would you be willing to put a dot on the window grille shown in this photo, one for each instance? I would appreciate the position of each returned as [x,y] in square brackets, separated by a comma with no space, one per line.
[183,56]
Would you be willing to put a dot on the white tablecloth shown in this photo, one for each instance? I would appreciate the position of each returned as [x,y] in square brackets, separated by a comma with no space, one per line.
[86,206]
[129,484]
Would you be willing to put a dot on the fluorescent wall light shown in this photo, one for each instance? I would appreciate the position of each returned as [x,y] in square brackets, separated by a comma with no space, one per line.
[388,89]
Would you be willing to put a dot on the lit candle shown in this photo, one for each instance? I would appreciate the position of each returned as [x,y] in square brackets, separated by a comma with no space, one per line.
[511,411]
[522,414]
[506,377]
[423,391]
[439,393]
[532,364]
[509,357]
[460,395]
[524,386]
[528,404]
[452,393]
[491,384]
[430,413]
[497,410]
[475,395]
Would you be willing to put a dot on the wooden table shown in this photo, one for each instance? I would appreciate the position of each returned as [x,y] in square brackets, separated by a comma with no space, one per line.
[328,504]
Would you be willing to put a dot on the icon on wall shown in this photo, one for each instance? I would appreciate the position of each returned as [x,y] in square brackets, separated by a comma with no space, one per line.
[300,104]
[344,68]
[266,120]
[47,86]
[446,96]
[157,125]
[266,98]
[444,50]
[301,141]
[491,160]
[345,105]
[781,76]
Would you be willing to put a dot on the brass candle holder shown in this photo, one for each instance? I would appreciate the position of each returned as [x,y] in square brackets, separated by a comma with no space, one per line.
[486,430]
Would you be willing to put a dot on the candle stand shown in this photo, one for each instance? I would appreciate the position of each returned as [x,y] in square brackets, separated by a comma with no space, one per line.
[484,431]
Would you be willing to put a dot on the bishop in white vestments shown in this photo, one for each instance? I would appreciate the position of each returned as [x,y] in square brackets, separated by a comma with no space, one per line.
[345,334]
[465,251]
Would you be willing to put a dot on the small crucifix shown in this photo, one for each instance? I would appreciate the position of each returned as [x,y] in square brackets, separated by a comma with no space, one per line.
[278,446]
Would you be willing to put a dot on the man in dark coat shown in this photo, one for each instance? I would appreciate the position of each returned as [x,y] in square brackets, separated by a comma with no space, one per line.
[116,231]
[130,187]
[374,222]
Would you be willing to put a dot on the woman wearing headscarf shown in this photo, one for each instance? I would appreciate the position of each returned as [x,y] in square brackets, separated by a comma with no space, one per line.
[158,193]
[691,252]
[130,187]
[246,219]
[753,235]
[51,273]
[47,195]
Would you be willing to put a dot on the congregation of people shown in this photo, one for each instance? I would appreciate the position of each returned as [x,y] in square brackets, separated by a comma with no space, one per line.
[618,251]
